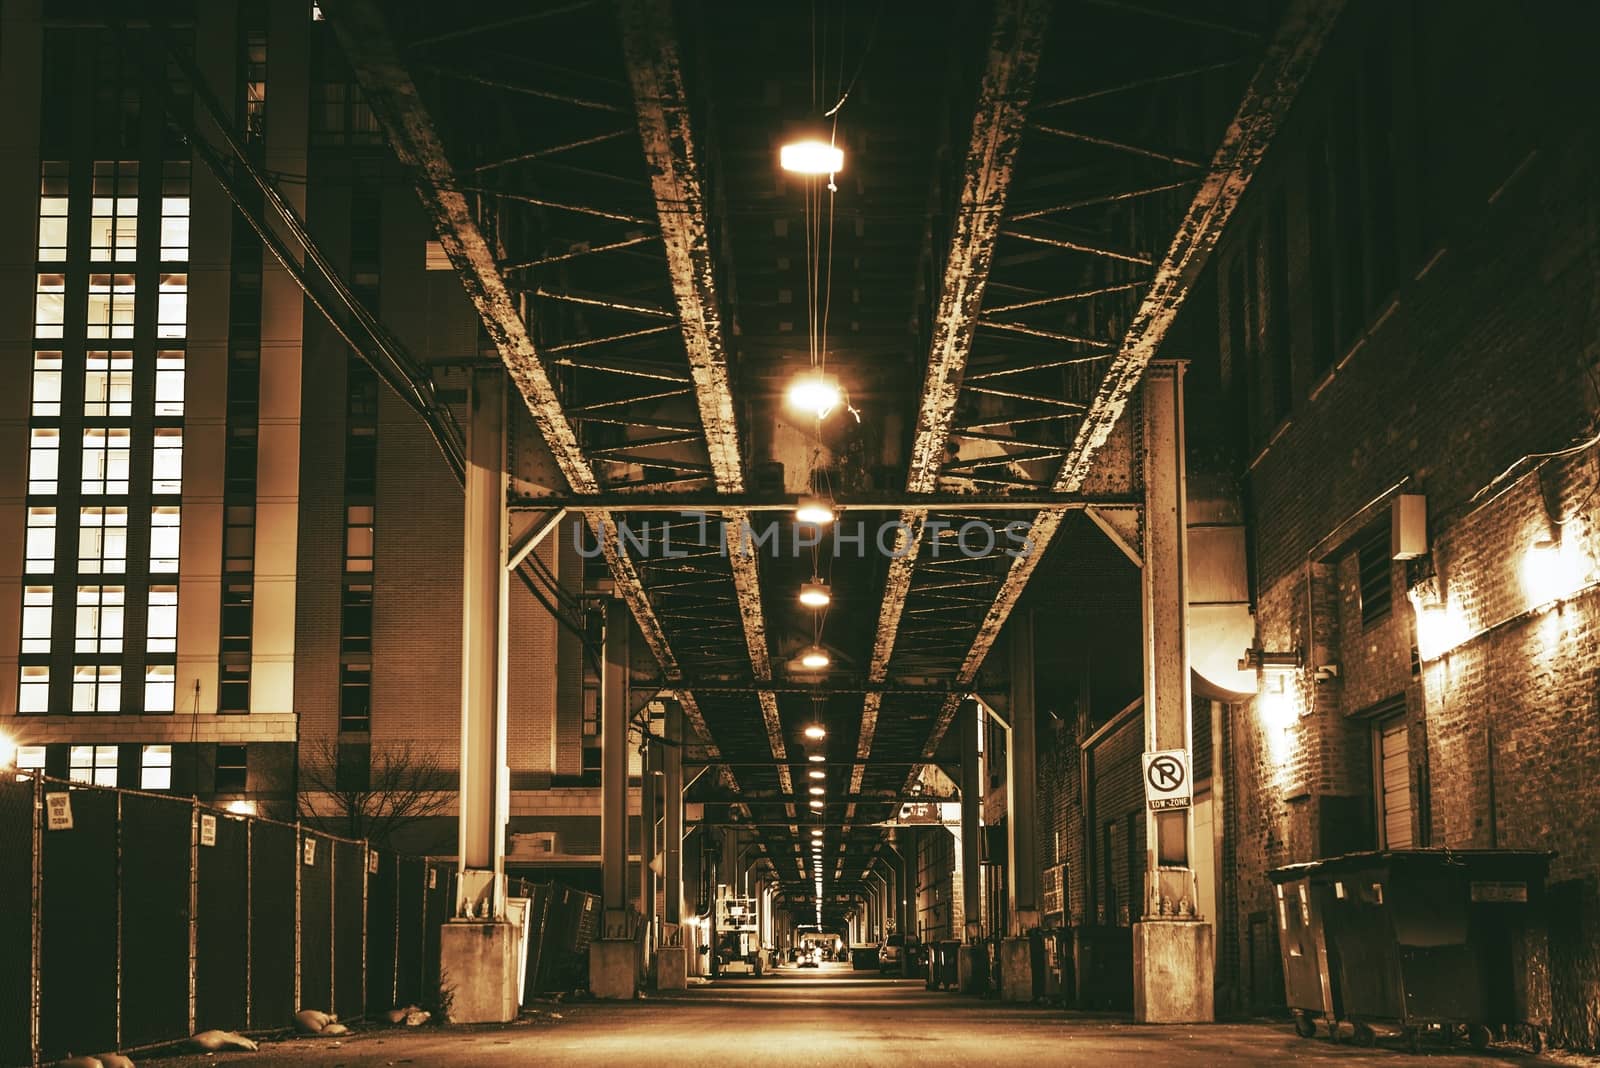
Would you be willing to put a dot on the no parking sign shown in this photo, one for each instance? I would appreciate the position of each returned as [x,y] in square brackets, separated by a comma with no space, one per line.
[1166,779]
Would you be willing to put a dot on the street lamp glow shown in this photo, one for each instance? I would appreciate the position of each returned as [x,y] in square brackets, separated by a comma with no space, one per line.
[814,393]
[816,732]
[8,751]
[815,594]
[814,658]
[814,510]
[811,157]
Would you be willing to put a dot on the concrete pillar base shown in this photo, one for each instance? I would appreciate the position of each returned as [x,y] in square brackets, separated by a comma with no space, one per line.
[1016,969]
[972,966]
[614,968]
[672,968]
[478,965]
[1173,972]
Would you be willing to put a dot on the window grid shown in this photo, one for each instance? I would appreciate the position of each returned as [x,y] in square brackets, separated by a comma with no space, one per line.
[102,541]
[96,764]
[114,218]
[53,207]
[155,767]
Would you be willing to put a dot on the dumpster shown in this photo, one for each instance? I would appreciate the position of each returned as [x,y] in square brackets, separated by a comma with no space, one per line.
[1418,941]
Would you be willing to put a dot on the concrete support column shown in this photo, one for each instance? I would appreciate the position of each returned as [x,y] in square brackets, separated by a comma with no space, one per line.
[478,949]
[613,957]
[1022,891]
[973,961]
[1172,952]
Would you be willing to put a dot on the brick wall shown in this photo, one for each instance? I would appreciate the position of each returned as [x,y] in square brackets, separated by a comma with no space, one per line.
[1483,352]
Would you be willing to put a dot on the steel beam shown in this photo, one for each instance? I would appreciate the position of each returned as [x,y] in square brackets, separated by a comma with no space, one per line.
[1283,69]
[997,128]
[734,507]
[665,130]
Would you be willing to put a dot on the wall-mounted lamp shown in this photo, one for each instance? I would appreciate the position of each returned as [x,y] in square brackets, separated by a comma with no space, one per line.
[1256,657]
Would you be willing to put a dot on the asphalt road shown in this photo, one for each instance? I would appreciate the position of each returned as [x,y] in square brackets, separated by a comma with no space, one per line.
[826,1017]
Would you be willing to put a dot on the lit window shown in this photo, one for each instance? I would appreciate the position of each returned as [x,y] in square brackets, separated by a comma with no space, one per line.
[358,538]
[160,687]
[108,384]
[99,621]
[114,225]
[105,460]
[50,305]
[97,689]
[36,602]
[162,632]
[164,526]
[255,85]
[169,383]
[44,460]
[30,758]
[95,764]
[110,306]
[175,211]
[102,541]
[34,693]
[172,306]
[53,212]
[155,767]
[47,384]
[167,470]
[40,554]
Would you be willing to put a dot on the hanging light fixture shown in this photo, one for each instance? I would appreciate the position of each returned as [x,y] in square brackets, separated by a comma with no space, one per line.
[815,393]
[818,773]
[817,791]
[811,155]
[814,594]
[817,758]
[816,832]
[814,657]
[814,510]
[816,732]
[816,804]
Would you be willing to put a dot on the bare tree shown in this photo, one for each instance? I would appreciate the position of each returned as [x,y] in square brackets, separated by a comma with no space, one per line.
[399,785]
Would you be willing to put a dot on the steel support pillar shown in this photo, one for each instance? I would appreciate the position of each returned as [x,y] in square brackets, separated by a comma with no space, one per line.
[973,961]
[672,795]
[614,765]
[1022,890]
[484,779]
[1173,963]
[647,840]
[478,948]
[672,956]
[613,957]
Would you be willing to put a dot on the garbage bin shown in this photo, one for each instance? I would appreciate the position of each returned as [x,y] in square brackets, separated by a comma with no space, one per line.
[1310,988]
[1416,940]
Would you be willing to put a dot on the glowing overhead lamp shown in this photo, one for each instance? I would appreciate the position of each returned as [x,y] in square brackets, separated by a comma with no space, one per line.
[816,731]
[812,156]
[817,791]
[816,832]
[816,804]
[814,594]
[818,773]
[814,658]
[817,758]
[814,393]
[814,510]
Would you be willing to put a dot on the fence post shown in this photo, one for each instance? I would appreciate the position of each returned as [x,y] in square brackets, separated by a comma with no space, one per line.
[36,837]
[299,868]
[117,879]
[333,924]
[249,920]
[366,885]
[194,912]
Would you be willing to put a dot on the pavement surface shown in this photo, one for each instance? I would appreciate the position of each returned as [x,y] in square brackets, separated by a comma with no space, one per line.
[833,1016]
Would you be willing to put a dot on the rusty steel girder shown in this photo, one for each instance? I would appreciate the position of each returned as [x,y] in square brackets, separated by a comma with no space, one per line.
[1284,67]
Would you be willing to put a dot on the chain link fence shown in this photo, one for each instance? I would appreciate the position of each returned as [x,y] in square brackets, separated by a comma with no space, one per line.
[130,920]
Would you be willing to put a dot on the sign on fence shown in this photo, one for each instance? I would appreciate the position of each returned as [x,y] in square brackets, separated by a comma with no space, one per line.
[208,830]
[58,811]
[311,853]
